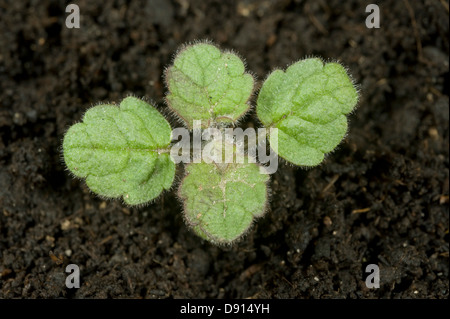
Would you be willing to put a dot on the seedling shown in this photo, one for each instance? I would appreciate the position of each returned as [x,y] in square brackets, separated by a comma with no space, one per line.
[127,151]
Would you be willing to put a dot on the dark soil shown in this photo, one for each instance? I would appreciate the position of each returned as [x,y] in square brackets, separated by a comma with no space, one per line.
[381,198]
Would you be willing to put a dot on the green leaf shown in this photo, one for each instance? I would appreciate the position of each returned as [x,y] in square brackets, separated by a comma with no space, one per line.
[308,104]
[122,151]
[221,200]
[208,85]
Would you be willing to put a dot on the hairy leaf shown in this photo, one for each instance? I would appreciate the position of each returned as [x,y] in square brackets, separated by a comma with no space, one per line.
[121,151]
[208,85]
[221,201]
[308,104]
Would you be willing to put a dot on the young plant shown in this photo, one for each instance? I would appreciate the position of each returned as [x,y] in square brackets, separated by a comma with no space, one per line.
[126,151]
